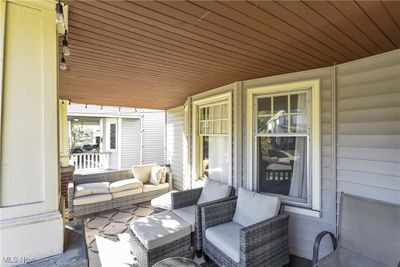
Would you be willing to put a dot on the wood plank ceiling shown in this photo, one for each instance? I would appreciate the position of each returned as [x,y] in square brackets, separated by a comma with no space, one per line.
[149,54]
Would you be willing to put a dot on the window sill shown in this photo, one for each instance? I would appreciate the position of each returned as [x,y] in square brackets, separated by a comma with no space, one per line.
[303,211]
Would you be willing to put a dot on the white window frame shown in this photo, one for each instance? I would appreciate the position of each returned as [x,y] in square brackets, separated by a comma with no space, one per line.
[196,146]
[108,130]
[315,149]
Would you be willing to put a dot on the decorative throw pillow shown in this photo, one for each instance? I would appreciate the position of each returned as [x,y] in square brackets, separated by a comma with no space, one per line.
[163,174]
[155,177]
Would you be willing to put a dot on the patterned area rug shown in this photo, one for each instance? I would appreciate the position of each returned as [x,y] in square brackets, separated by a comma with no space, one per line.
[107,236]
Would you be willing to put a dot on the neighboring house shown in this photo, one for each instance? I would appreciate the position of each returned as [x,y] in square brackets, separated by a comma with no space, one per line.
[121,137]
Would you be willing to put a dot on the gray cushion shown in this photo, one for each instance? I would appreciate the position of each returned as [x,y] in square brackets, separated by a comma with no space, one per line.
[253,207]
[344,258]
[160,229]
[214,190]
[226,237]
[188,214]
[92,189]
[125,184]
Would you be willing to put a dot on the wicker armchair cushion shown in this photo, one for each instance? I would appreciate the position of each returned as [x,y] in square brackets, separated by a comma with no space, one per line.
[188,214]
[126,184]
[253,207]
[143,172]
[91,199]
[127,193]
[152,187]
[92,189]
[214,190]
[159,229]
[226,237]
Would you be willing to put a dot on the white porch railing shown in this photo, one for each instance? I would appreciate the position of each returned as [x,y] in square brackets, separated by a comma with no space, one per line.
[91,161]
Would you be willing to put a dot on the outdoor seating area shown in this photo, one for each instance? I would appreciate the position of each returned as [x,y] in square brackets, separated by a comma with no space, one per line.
[199,133]
[91,193]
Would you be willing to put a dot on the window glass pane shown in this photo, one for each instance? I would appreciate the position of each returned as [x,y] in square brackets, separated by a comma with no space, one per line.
[113,135]
[264,106]
[224,125]
[273,124]
[282,166]
[280,104]
[217,127]
[224,111]
[204,157]
[298,123]
[298,103]
[218,158]
[216,112]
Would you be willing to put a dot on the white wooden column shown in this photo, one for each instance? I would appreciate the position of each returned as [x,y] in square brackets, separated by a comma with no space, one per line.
[31,225]
[63,132]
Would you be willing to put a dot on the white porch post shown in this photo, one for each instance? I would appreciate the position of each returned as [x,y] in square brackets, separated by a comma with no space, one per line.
[63,133]
[31,225]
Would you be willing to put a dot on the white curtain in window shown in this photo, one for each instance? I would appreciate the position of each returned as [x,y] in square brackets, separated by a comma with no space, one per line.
[298,186]
[219,158]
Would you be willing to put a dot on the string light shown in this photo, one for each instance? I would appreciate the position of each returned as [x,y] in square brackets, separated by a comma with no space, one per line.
[119,109]
[69,102]
[85,105]
[59,14]
[65,48]
[63,65]
[101,107]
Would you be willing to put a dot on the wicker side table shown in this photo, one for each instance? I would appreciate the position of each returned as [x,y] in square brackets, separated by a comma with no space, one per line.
[177,262]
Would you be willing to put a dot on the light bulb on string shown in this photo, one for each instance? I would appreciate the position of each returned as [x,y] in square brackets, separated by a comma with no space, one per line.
[59,14]
[63,65]
[66,50]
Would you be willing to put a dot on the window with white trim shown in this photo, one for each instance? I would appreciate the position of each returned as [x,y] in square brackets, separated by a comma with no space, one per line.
[111,135]
[212,139]
[284,138]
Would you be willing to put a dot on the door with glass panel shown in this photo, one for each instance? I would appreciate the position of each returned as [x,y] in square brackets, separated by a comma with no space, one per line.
[213,138]
[282,141]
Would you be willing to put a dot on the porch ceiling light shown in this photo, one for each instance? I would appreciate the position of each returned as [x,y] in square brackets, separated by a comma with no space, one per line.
[65,48]
[60,14]
[63,65]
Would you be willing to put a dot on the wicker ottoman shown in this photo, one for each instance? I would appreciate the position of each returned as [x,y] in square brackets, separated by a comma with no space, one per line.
[159,236]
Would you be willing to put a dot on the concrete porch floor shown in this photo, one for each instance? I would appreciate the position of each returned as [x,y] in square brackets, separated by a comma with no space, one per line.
[107,238]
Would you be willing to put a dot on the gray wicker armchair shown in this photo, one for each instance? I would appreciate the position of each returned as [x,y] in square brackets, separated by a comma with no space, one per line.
[261,244]
[369,235]
[189,198]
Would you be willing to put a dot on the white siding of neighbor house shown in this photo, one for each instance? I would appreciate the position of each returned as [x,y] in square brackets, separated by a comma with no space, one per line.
[130,143]
[302,228]
[153,136]
[368,127]
[175,144]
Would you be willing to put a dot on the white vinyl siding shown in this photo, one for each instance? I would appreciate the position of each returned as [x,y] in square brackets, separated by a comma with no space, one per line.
[130,140]
[153,137]
[368,127]
[175,144]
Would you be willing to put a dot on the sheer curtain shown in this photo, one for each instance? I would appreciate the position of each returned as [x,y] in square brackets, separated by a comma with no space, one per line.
[219,158]
[298,186]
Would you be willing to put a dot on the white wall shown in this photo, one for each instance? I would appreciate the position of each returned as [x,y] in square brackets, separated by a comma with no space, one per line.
[130,143]
[153,136]
[175,144]
[368,127]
